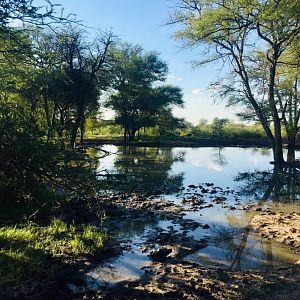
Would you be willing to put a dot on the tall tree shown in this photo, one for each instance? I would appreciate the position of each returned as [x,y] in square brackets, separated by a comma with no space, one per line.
[86,64]
[20,16]
[71,74]
[138,98]
[232,30]
[288,95]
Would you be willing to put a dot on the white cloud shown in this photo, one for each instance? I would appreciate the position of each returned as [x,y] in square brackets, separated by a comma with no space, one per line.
[215,167]
[199,104]
[172,78]
[198,163]
[210,165]
[198,91]
[211,89]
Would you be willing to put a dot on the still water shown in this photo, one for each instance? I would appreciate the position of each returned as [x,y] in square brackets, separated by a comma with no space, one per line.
[237,177]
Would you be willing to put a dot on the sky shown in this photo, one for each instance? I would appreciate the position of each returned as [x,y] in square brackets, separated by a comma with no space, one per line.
[143,22]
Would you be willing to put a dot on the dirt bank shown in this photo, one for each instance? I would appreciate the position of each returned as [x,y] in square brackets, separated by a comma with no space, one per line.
[172,277]
[187,142]
[281,226]
[184,280]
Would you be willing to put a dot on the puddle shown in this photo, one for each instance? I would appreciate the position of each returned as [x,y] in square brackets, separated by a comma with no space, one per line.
[128,267]
[258,256]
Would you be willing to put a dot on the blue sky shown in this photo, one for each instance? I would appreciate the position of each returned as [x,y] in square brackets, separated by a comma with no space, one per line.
[142,22]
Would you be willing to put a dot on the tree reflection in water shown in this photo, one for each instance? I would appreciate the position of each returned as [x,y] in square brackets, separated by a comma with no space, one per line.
[278,185]
[218,158]
[147,170]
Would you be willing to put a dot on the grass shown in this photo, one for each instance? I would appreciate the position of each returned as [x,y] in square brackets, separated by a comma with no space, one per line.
[26,249]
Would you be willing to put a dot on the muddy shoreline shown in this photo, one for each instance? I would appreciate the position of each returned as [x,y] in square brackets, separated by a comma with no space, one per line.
[170,276]
[283,227]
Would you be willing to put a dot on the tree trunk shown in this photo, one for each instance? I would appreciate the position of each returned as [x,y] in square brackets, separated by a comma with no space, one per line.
[125,135]
[291,147]
[51,129]
[61,128]
[76,125]
[132,133]
[47,115]
[248,92]
[81,131]
[277,149]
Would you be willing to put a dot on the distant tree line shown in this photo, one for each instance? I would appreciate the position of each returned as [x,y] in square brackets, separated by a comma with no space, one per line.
[217,128]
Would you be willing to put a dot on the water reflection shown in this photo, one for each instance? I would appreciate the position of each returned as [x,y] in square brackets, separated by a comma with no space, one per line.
[129,228]
[280,184]
[128,267]
[147,169]
[132,234]
[218,157]
[261,151]
[236,247]
[245,171]
[239,245]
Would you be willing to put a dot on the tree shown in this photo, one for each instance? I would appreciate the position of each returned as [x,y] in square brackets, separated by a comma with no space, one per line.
[92,123]
[86,64]
[288,95]
[70,75]
[148,169]
[235,30]
[218,126]
[38,103]
[26,11]
[202,122]
[138,99]
[167,123]
[19,17]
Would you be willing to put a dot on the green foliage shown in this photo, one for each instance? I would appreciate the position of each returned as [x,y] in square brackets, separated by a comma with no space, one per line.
[243,131]
[177,128]
[218,126]
[26,248]
[139,101]
[150,168]
[253,37]
[28,162]
[220,130]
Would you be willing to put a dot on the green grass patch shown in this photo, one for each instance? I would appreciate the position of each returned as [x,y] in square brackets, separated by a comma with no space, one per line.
[24,249]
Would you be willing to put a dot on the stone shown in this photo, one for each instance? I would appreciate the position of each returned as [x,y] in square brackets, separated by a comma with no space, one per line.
[160,255]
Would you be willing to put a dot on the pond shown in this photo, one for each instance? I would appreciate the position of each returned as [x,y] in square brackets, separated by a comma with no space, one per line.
[228,180]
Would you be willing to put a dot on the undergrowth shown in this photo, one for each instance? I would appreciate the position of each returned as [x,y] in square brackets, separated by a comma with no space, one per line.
[26,248]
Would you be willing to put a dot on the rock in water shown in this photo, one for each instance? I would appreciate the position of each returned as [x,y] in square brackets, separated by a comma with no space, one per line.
[160,255]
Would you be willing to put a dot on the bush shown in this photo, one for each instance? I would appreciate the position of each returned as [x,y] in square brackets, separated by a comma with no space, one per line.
[28,162]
